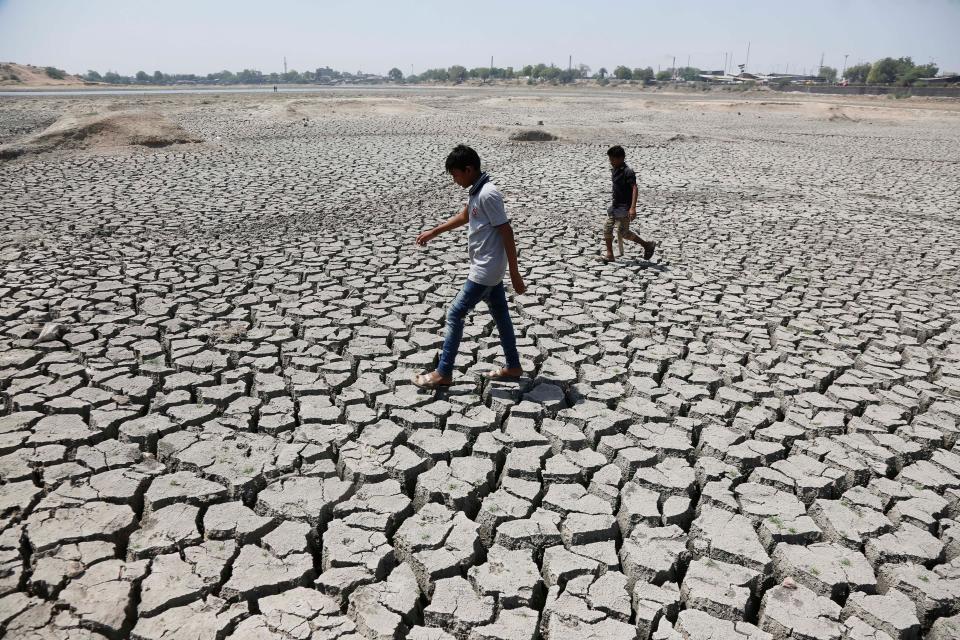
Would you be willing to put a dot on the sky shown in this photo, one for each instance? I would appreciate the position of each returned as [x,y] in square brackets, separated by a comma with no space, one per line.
[202,36]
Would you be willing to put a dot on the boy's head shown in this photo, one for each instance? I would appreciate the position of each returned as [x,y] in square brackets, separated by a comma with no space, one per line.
[617,155]
[463,164]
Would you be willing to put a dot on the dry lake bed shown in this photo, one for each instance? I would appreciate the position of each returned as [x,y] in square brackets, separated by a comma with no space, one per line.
[211,306]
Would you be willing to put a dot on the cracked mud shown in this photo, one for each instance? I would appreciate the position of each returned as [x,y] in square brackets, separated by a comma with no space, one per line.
[207,427]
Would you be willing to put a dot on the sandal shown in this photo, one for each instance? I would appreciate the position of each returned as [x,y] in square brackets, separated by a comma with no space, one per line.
[498,374]
[604,259]
[424,381]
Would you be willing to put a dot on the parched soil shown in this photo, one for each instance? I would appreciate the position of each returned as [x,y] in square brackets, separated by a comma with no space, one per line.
[207,425]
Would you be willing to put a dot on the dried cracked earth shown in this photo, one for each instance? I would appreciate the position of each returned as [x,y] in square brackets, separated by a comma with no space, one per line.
[207,428]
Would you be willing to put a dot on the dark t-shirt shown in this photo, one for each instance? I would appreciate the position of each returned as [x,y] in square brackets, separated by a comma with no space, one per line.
[623,178]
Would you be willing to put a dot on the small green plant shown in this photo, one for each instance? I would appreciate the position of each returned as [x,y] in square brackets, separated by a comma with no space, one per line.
[56,74]
[845,562]
[775,520]
[814,571]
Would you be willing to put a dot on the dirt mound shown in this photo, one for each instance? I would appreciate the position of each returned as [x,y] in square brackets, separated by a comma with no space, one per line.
[839,115]
[102,131]
[28,75]
[532,135]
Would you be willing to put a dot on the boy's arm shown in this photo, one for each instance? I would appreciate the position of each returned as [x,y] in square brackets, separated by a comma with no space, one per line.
[456,220]
[633,202]
[510,246]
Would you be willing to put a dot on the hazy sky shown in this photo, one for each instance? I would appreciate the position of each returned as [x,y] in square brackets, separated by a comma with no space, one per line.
[201,36]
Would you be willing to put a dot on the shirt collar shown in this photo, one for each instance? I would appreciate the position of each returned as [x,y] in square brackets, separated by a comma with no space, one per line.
[476,186]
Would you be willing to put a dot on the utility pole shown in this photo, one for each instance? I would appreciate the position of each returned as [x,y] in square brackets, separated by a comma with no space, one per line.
[284,65]
[820,70]
[724,62]
[843,73]
[673,68]
[688,61]
[748,58]
[570,64]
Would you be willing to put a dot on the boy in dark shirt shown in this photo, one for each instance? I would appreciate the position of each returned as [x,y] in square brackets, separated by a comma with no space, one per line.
[623,209]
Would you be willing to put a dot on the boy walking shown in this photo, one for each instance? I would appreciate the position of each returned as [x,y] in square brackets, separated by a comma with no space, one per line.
[623,209]
[492,251]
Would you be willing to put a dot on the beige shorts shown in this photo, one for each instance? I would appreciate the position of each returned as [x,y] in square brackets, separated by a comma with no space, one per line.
[622,226]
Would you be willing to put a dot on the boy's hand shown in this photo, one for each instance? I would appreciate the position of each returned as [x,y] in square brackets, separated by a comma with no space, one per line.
[517,281]
[632,212]
[425,237]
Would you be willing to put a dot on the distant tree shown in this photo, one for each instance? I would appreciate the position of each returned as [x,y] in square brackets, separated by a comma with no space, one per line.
[664,75]
[249,76]
[910,76]
[622,73]
[828,73]
[602,72]
[857,73]
[56,74]
[142,77]
[644,75]
[158,77]
[479,72]
[113,77]
[689,73]
[884,71]
[583,70]
[928,70]
[93,76]
[395,74]
[222,77]
[457,73]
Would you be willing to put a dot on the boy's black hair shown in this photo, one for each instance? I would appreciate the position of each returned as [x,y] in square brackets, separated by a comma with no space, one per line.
[616,151]
[462,157]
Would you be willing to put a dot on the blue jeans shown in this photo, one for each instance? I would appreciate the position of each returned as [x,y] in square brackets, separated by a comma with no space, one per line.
[471,294]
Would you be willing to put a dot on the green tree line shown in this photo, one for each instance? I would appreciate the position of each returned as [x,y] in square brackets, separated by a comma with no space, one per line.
[900,71]
[246,76]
